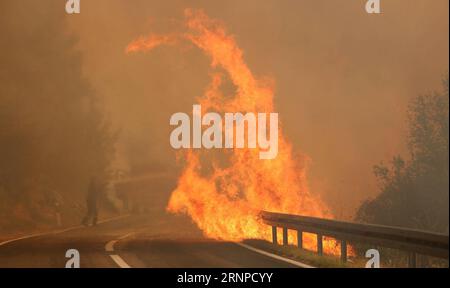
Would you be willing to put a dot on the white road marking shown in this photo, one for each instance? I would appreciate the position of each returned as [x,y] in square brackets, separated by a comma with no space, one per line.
[109,247]
[23,237]
[58,231]
[122,264]
[119,261]
[274,256]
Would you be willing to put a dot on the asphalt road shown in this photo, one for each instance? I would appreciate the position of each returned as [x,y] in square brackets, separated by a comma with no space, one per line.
[135,241]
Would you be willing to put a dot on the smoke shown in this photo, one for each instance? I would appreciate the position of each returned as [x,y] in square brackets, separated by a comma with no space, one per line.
[53,134]
[343,77]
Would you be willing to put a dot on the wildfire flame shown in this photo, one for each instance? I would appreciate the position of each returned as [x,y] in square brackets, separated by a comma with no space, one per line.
[225,201]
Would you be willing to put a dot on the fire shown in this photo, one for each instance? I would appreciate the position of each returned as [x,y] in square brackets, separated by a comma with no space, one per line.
[223,194]
[150,42]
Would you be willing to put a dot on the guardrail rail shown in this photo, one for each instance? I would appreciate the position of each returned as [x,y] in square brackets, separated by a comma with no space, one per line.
[409,240]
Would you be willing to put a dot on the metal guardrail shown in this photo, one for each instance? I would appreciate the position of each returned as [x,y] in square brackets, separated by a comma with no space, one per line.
[413,241]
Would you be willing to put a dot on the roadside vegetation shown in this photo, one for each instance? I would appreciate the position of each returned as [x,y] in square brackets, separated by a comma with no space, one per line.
[414,189]
[53,133]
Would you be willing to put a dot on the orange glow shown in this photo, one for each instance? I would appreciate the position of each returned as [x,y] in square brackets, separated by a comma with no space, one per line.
[148,43]
[224,192]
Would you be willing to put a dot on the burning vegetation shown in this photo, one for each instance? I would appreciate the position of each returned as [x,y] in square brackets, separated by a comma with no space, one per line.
[224,192]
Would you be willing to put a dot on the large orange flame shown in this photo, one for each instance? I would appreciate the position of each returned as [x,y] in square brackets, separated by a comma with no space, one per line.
[224,197]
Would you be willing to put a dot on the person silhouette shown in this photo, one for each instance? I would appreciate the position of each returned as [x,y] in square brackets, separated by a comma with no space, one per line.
[91,202]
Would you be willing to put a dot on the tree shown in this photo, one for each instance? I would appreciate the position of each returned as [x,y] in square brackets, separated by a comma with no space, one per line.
[53,134]
[415,193]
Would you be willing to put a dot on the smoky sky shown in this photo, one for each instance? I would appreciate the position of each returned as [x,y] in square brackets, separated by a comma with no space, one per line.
[343,77]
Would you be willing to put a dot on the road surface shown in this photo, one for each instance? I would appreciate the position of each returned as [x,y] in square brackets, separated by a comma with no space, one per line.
[134,241]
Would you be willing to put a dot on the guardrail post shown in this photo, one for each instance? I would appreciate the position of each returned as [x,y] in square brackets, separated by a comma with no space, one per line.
[300,239]
[320,244]
[343,251]
[412,260]
[285,236]
[274,235]
[421,243]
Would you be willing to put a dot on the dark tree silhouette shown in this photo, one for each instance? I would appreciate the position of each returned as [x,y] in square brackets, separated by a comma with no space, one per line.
[414,193]
[53,135]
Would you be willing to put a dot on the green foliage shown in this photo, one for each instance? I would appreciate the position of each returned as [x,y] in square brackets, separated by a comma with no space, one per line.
[415,193]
